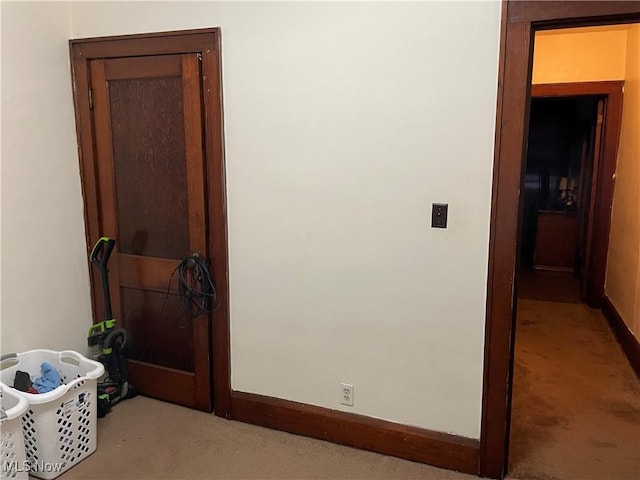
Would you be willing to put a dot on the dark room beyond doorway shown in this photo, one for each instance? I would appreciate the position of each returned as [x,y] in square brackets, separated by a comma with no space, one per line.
[564,135]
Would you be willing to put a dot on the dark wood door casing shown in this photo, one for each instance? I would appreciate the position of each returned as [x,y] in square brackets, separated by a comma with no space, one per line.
[205,44]
[520,20]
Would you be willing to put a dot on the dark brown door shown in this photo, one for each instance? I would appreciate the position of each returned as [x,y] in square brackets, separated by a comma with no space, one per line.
[147,114]
[590,191]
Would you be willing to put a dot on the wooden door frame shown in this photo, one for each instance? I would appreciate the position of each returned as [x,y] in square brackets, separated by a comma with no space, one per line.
[598,231]
[520,20]
[206,43]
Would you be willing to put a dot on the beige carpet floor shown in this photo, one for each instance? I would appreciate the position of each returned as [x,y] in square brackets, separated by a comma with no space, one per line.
[147,439]
[576,400]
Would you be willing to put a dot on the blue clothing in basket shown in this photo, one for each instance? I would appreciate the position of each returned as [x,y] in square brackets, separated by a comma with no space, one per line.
[49,381]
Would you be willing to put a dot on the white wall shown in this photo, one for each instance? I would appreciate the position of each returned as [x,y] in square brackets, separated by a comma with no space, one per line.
[45,282]
[344,122]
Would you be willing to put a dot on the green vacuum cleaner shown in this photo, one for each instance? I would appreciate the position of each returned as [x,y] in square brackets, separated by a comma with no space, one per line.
[106,341]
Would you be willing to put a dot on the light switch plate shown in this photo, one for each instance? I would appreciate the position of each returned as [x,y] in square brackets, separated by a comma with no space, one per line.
[439,213]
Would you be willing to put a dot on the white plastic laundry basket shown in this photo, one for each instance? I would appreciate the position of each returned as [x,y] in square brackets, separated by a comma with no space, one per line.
[13,456]
[59,427]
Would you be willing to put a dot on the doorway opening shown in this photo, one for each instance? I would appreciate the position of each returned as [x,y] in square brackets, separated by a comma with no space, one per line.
[564,146]
[570,378]
[520,22]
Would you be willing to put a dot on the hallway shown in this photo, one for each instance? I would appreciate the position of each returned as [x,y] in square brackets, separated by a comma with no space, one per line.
[576,400]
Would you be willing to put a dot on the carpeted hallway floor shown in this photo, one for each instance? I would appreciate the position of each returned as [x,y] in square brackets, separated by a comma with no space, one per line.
[576,400]
[548,286]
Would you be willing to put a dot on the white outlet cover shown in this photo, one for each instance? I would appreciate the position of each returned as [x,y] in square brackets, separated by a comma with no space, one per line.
[346,394]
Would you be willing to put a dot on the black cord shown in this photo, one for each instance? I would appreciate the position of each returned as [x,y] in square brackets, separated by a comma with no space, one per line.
[196,288]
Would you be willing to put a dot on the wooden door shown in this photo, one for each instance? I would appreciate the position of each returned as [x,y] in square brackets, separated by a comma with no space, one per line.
[147,114]
[590,191]
[150,142]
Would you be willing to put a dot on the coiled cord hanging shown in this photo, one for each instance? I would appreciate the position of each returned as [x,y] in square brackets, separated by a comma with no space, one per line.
[195,286]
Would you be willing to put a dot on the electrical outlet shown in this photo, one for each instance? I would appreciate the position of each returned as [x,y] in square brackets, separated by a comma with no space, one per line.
[346,394]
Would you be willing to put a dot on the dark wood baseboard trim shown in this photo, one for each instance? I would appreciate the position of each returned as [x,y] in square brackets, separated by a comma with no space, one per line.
[439,449]
[630,344]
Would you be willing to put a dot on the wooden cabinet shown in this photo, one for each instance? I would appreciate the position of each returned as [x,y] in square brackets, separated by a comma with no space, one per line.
[556,240]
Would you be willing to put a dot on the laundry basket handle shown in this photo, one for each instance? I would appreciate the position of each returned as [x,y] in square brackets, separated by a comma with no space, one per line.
[10,358]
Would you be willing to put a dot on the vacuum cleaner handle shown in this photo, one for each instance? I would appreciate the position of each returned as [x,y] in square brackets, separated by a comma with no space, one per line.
[105,246]
[99,256]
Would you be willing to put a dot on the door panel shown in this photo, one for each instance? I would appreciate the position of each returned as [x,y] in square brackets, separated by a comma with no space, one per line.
[151,196]
[591,189]
[150,168]
[170,327]
[136,271]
